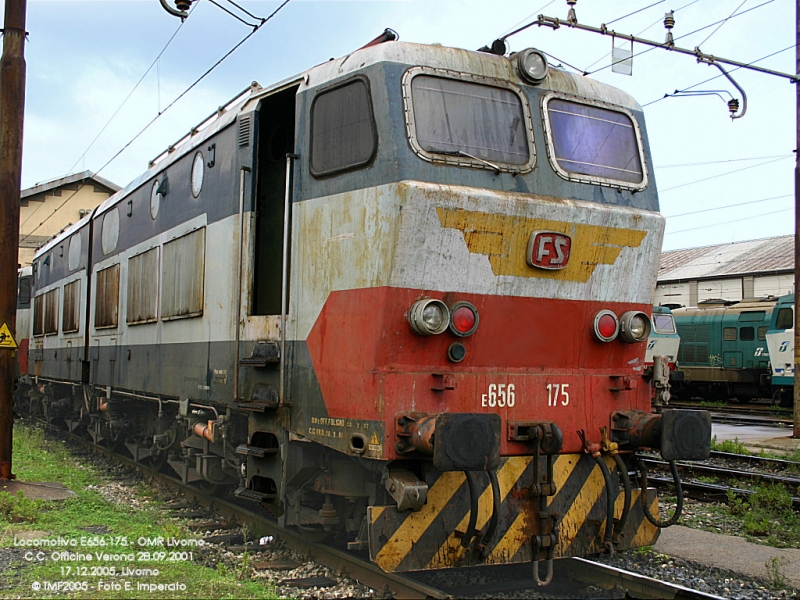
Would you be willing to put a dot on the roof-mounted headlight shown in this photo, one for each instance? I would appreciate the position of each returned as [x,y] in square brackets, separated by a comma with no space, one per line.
[532,65]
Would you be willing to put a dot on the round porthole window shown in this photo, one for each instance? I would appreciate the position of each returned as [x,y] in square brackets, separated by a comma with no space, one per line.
[110,232]
[155,200]
[74,259]
[198,168]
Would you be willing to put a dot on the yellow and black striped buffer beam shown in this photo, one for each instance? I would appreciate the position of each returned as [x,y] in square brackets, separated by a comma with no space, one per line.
[431,537]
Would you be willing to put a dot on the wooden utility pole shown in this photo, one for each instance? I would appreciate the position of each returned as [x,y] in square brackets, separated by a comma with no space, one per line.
[12,103]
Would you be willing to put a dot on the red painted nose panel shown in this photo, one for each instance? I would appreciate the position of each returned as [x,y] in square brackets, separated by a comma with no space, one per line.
[530,359]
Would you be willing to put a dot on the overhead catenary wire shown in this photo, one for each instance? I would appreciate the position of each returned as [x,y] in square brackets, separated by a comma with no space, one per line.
[680,37]
[654,23]
[718,76]
[532,23]
[113,116]
[231,13]
[717,224]
[717,162]
[675,187]
[735,205]
[630,14]
[170,105]
[722,24]
[515,31]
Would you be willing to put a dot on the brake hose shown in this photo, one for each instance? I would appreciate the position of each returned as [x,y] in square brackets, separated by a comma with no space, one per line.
[487,535]
[678,492]
[609,502]
[473,509]
[626,483]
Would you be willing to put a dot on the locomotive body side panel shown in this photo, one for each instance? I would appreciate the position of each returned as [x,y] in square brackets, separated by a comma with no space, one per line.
[175,355]
[59,276]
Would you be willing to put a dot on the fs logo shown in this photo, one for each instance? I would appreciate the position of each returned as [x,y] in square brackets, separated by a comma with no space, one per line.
[784,346]
[548,250]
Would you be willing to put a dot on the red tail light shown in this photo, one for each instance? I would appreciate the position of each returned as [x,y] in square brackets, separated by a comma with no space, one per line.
[606,326]
[463,319]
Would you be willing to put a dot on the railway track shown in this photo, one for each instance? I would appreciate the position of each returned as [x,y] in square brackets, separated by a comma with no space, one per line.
[718,492]
[742,414]
[572,576]
[752,459]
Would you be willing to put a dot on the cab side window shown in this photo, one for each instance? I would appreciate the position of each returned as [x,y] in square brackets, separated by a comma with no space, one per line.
[343,133]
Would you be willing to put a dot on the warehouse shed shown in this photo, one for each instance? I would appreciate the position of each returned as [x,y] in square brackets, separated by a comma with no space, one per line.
[734,271]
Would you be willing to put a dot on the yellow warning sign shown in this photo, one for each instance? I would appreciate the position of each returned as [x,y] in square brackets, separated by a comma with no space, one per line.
[6,339]
[375,448]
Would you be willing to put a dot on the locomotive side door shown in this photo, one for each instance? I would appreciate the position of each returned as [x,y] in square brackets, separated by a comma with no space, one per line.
[275,138]
[270,130]
[264,293]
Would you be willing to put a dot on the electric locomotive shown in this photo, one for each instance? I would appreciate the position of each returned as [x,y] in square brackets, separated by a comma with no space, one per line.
[723,351]
[780,344]
[402,298]
[664,339]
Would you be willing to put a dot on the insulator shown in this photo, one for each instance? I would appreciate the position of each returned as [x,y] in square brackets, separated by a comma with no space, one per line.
[733,106]
[183,4]
[571,16]
[669,20]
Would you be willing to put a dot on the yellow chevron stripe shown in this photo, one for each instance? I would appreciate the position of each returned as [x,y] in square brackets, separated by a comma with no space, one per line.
[416,523]
[647,534]
[450,552]
[574,518]
[516,535]
[376,512]
[503,239]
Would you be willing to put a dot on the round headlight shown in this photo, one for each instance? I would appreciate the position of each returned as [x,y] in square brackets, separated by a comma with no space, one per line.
[606,326]
[634,326]
[429,317]
[532,65]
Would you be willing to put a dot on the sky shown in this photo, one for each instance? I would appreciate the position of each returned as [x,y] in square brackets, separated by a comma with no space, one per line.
[99,71]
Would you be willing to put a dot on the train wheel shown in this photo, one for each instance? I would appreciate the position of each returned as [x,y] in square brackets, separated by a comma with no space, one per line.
[315,533]
[159,461]
[783,398]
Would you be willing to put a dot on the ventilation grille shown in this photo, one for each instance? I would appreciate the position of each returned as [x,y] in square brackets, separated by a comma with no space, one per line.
[244,131]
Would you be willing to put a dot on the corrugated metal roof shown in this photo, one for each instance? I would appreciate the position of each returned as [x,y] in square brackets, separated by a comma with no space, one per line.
[729,260]
[83,177]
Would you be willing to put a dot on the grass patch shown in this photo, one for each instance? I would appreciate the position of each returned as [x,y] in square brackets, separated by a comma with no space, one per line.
[713,403]
[19,509]
[768,514]
[775,576]
[77,522]
[733,446]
